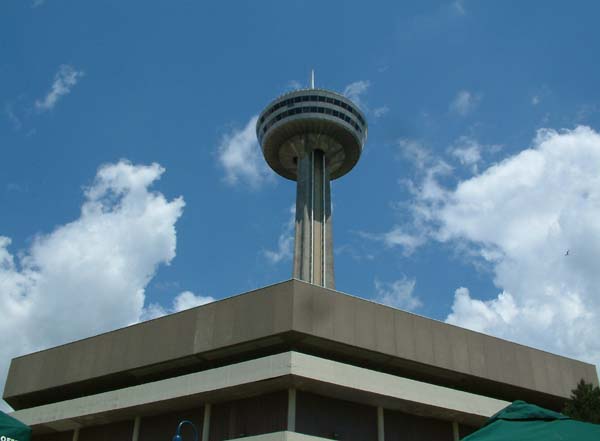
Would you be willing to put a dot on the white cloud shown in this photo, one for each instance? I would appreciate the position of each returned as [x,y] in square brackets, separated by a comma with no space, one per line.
[398,237]
[459,7]
[519,217]
[240,156]
[184,300]
[399,294]
[415,151]
[380,111]
[64,80]
[12,117]
[535,100]
[294,85]
[36,3]
[464,102]
[355,91]
[467,150]
[285,243]
[188,299]
[89,275]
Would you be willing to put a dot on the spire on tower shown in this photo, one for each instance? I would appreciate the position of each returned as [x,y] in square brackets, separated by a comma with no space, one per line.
[312,78]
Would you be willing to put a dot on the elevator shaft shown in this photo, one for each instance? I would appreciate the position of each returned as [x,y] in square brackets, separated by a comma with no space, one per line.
[313,248]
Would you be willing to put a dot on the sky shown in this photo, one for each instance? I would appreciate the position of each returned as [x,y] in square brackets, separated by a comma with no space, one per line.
[132,184]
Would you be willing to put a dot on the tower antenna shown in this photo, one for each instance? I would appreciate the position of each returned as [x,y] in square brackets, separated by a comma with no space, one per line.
[312,78]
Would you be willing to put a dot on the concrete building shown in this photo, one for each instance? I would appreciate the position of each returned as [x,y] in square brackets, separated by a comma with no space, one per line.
[289,361]
[295,361]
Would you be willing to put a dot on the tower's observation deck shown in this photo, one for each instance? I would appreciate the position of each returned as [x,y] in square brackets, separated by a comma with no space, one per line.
[337,125]
[312,136]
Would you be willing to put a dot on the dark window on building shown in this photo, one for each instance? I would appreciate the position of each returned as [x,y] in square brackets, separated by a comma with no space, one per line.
[335,113]
[335,419]
[404,427]
[336,102]
[313,109]
[120,431]
[162,427]
[313,97]
[55,436]
[297,99]
[322,99]
[320,110]
[305,98]
[248,417]
[330,100]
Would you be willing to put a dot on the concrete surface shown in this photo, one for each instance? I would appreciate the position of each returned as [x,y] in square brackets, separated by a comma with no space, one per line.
[294,315]
[308,372]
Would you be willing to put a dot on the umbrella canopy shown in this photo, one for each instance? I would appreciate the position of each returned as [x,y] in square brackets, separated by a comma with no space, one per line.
[12,429]
[528,422]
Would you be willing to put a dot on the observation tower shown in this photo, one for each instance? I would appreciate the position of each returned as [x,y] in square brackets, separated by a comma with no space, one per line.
[312,136]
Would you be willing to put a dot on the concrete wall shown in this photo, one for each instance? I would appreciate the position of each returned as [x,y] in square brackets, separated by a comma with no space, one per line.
[294,315]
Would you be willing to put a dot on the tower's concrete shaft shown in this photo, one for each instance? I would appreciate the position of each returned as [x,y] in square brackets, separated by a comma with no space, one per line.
[313,253]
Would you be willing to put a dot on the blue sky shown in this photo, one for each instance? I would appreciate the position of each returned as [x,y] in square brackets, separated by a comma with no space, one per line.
[478,175]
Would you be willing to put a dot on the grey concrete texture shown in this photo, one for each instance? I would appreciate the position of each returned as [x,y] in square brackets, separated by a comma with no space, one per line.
[313,246]
[304,317]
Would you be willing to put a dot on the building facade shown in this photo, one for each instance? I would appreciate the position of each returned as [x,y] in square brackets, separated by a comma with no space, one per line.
[292,361]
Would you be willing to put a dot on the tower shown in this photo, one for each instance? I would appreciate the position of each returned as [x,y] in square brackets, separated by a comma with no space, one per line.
[312,136]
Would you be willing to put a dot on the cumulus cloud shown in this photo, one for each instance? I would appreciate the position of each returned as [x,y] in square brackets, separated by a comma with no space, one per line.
[380,111]
[12,116]
[464,102]
[89,275]
[399,294]
[415,151]
[184,300]
[468,151]
[459,7]
[294,85]
[285,242]
[64,80]
[519,217]
[355,91]
[240,156]
[398,236]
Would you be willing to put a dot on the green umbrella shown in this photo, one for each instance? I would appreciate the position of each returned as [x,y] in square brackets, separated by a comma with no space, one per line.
[526,422]
[12,429]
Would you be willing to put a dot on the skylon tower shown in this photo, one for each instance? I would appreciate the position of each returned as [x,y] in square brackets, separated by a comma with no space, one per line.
[312,136]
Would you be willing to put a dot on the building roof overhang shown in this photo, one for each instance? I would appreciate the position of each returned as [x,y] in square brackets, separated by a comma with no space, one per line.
[294,315]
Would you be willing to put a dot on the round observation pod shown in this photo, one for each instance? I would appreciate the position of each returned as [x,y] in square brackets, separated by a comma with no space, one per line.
[311,119]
